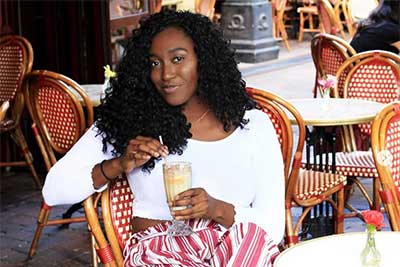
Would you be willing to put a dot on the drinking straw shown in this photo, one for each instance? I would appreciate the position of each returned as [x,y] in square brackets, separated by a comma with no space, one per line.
[162,143]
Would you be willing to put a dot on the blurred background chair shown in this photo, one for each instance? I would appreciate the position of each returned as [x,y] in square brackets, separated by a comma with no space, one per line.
[56,106]
[308,14]
[342,14]
[206,8]
[16,59]
[385,139]
[328,54]
[304,188]
[279,7]
[330,22]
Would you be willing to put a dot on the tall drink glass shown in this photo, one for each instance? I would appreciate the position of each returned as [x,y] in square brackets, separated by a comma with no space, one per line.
[177,178]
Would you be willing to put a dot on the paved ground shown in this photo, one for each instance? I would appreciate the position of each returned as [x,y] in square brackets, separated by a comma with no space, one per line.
[291,76]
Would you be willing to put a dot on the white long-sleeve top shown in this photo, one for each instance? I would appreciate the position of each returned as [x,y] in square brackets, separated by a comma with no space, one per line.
[244,169]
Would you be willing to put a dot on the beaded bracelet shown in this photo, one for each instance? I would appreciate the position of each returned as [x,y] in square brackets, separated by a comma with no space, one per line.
[103,173]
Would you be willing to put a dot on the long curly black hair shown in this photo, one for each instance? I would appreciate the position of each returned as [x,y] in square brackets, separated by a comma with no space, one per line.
[132,106]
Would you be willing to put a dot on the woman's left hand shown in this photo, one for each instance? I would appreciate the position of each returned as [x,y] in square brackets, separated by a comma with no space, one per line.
[202,205]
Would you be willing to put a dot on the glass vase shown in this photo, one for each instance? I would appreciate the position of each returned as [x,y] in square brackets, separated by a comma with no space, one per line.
[370,256]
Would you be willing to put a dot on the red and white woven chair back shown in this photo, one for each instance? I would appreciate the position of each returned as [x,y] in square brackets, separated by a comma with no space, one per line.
[374,78]
[329,52]
[55,104]
[121,201]
[392,142]
[385,139]
[16,56]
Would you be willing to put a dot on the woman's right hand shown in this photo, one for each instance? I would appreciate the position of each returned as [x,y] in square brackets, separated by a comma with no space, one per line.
[139,151]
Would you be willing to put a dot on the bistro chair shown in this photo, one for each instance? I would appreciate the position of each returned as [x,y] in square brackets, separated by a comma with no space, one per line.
[304,188]
[341,8]
[308,13]
[385,139]
[205,7]
[374,76]
[16,59]
[328,54]
[59,120]
[279,8]
[116,212]
[331,24]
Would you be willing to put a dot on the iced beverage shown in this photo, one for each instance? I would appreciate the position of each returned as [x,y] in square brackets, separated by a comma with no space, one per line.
[177,178]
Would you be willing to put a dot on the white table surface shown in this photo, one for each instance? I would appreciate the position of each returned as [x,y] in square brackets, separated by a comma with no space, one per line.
[335,111]
[94,91]
[340,251]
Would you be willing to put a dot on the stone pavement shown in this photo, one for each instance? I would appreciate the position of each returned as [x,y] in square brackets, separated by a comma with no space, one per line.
[291,76]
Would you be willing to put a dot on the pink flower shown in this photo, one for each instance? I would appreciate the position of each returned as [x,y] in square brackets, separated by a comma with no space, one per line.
[373,217]
[328,83]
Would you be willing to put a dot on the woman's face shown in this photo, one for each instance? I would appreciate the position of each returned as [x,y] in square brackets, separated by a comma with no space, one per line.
[174,66]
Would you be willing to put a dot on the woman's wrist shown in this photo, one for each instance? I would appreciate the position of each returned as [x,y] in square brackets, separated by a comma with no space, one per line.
[106,171]
[224,214]
[108,178]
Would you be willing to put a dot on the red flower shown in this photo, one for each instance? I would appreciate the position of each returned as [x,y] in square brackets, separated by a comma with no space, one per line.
[373,217]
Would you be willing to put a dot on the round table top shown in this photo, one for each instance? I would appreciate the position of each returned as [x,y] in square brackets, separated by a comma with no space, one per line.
[94,91]
[335,111]
[340,250]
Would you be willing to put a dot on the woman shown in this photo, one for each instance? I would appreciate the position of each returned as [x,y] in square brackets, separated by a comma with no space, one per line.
[381,30]
[178,79]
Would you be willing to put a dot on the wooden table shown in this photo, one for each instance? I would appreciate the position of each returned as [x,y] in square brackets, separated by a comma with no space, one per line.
[340,250]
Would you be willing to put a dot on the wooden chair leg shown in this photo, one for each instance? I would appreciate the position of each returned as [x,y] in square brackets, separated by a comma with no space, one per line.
[340,211]
[376,198]
[311,22]
[41,222]
[301,28]
[19,139]
[95,260]
[283,33]
[290,236]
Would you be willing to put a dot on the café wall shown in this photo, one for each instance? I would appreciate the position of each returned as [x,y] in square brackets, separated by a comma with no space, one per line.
[69,37]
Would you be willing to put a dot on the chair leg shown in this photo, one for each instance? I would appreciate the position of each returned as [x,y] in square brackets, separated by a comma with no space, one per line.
[376,199]
[19,139]
[340,211]
[290,237]
[301,28]
[282,30]
[95,260]
[41,222]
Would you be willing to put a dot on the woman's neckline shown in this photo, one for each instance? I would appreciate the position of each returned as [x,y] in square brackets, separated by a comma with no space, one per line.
[215,141]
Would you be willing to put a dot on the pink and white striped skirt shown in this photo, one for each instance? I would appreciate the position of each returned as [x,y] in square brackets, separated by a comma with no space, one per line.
[244,245]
